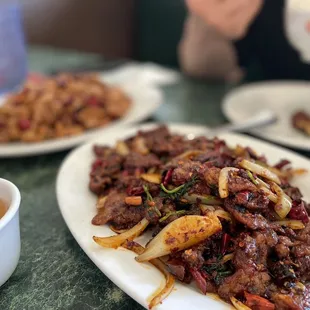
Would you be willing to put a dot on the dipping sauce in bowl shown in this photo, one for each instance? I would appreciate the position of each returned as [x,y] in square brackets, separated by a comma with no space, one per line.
[3,208]
[9,229]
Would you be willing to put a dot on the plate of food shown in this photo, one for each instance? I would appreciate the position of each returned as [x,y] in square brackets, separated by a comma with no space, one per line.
[285,99]
[180,221]
[55,113]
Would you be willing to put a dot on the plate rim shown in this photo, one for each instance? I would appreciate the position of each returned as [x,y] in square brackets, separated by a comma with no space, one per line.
[149,125]
[279,140]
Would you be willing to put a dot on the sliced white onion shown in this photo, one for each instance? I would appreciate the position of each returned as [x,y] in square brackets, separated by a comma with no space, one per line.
[206,208]
[118,240]
[117,231]
[163,293]
[223,181]
[139,146]
[223,214]
[189,154]
[181,234]
[101,201]
[152,170]
[300,286]
[271,196]
[282,201]
[122,148]
[260,170]
[284,204]
[238,304]
[261,183]
[151,177]
[266,189]
[294,224]
[227,258]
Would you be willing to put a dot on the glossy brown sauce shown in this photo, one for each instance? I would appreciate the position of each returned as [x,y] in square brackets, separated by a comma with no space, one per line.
[3,208]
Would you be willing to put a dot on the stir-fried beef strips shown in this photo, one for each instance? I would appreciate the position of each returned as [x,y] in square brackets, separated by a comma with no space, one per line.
[261,256]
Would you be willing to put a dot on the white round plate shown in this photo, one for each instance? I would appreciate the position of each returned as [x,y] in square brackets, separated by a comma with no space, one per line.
[145,100]
[284,98]
[140,281]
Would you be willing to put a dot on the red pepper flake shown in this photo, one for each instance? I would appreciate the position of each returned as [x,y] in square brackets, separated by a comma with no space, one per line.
[205,275]
[24,124]
[298,212]
[170,240]
[241,244]
[200,280]
[134,191]
[168,177]
[138,172]
[125,173]
[282,164]
[243,196]
[97,163]
[92,101]
[68,102]
[224,244]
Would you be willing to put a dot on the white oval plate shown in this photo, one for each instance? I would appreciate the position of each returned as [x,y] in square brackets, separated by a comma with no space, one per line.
[140,281]
[284,98]
[145,100]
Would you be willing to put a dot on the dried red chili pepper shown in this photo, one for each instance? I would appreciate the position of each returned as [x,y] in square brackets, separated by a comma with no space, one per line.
[224,244]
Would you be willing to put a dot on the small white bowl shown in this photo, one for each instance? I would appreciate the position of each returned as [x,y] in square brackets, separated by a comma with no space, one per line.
[9,230]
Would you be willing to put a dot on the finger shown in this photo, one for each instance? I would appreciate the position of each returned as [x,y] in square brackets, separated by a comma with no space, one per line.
[201,5]
[203,8]
[231,17]
[227,10]
[240,22]
[247,13]
[230,7]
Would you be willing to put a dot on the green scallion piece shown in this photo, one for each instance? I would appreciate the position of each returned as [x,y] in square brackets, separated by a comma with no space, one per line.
[250,175]
[172,191]
[148,195]
[180,212]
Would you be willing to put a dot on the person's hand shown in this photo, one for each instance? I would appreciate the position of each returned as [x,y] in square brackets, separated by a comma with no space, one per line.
[230,17]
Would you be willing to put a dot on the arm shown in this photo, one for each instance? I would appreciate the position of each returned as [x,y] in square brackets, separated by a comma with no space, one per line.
[205,53]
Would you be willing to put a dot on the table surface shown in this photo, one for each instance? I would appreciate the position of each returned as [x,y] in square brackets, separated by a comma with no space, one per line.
[53,272]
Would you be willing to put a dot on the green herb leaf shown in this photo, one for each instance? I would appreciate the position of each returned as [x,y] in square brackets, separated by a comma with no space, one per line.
[180,191]
[218,270]
[220,276]
[152,210]
[149,198]
[157,211]
[148,195]
[172,191]
[180,212]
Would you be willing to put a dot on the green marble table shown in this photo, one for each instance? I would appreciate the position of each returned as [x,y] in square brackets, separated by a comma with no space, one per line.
[53,272]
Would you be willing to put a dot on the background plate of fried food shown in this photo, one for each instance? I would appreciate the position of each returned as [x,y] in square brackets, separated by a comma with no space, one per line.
[128,266]
[289,101]
[51,114]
